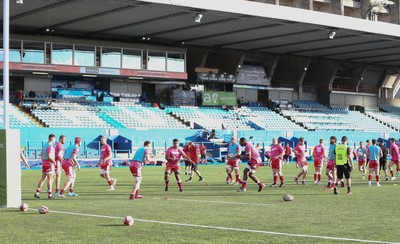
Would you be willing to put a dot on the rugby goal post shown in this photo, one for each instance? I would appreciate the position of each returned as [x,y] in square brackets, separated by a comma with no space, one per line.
[10,168]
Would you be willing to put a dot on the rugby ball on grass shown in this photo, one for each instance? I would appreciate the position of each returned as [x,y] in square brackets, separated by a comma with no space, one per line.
[43,210]
[128,221]
[288,198]
[24,207]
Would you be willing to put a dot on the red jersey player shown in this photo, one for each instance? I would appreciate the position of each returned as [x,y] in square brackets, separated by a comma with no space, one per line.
[319,155]
[68,164]
[203,153]
[173,156]
[59,152]
[106,163]
[232,164]
[394,151]
[194,156]
[277,152]
[300,151]
[288,152]
[48,161]
[254,162]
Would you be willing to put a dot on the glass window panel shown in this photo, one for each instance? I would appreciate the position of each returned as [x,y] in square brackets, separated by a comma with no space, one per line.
[15,51]
[111,57]
[33,52]
[84,55]
[132,59]
[156,60]
[61,54]
[176,62]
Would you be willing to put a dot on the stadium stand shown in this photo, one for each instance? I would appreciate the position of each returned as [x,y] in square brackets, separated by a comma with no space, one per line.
[269,120]
[315,116]
[390,118]
[210,117]
[17,118]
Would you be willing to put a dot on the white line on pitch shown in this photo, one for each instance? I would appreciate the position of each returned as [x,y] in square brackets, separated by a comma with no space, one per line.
[219,202]
[232,229]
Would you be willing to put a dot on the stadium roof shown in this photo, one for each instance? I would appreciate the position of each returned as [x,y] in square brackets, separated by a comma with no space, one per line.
[231,25]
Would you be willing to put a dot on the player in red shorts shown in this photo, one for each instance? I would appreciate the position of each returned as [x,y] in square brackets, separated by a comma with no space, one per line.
[254,162]
[319,156]
[59,152]
[142,156]
[361,156]
[106,163]
[173,156]
[300,151]
[277,153]
[232,164]
[48,161]
[374,153]
[188,166]
[68,164]
[394,151]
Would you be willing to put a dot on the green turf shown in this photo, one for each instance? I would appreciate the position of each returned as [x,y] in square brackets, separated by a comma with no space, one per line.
[369,214]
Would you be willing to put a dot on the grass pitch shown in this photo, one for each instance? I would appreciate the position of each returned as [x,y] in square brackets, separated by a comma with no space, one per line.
[369,214]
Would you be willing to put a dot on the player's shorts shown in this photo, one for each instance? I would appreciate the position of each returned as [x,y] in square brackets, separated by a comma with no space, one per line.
[395,161]
[373,164]
[187,163]
[136,168]
[195,166]
[303,165]
[172,167]
[105,168]
[317,162]
[252,167]
[276,164]
[203,156]
[361,162]
[47,167]
[331,165]
[233,163]
[57,167]
[343,170]
[68,168]
[382,164]
[286,157]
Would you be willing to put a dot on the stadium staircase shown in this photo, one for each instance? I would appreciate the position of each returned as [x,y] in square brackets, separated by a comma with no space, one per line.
[29,115]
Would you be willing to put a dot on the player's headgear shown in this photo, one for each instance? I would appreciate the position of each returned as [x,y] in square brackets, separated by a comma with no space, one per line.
[78,140]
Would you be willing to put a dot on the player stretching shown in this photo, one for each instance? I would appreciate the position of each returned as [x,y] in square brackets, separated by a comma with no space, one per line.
[59,152]
[194,156]
[48,161]
[394,151]
[299,151]
[68,165]
[173,156]
[319,155]
[344,164]
[106,163]
[277,152]
[254,162]
[374,153]
[361,156]
[142,156]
